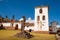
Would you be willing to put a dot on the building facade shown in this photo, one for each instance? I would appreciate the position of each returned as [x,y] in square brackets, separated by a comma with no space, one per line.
[41,18]
[40,22]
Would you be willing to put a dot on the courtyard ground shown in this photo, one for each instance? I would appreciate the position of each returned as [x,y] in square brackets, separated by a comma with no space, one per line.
[8,35]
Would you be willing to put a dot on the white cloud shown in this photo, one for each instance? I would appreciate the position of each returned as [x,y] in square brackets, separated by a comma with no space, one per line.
[20,19]
[30,20]
[58,26]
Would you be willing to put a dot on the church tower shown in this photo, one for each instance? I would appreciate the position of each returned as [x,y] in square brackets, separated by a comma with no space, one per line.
[41,18]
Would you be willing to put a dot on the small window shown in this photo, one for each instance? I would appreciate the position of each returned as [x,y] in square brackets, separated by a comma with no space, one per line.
[40,11]
[43,18]
[38,18]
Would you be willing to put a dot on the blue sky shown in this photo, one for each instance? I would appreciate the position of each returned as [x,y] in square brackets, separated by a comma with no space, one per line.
[25,8]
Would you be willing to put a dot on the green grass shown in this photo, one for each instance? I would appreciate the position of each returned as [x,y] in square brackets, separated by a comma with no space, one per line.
[8,35]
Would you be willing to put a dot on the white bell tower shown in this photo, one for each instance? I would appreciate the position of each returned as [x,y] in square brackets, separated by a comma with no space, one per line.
[41,18]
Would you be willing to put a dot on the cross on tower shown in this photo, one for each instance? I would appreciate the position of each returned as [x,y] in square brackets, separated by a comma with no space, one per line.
[23,23]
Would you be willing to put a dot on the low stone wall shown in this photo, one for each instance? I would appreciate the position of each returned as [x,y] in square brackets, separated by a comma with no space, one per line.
[9,28]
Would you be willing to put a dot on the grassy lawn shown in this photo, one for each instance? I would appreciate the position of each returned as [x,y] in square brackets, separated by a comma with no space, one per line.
[8,35]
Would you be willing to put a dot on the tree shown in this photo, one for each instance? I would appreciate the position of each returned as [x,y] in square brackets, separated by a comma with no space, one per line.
[0,18]
[6,18]
[13,17]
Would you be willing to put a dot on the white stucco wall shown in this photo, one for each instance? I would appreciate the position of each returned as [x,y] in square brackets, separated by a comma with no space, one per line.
[14,25]
[30,27]
[6,24]
[43,23]
[19,25]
